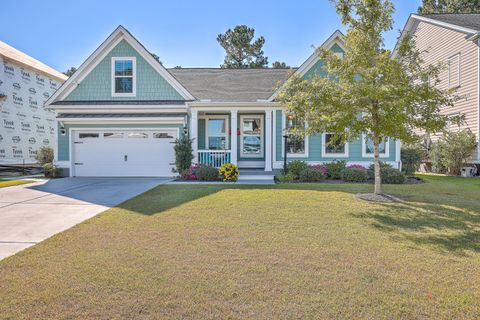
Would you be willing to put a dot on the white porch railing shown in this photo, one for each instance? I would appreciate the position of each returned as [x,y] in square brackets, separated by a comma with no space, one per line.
[214,158]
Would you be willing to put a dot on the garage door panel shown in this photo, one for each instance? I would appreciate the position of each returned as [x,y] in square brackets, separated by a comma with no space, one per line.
[126,154]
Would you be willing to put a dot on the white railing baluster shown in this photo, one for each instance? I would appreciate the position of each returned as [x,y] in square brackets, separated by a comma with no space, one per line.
[215,158]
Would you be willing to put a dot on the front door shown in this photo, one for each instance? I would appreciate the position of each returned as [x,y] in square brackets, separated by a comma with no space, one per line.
[251,137]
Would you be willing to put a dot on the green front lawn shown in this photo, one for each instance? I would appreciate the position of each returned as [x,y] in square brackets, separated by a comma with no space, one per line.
[286,251]
[8,183]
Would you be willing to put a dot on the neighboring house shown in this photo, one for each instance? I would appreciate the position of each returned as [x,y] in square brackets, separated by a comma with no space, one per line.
[120,113]
[25,85]
[453,40]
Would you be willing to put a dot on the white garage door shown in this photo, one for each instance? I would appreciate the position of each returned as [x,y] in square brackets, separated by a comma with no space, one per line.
[117,153]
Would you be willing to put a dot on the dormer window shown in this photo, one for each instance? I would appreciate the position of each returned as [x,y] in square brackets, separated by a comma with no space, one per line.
[124,76]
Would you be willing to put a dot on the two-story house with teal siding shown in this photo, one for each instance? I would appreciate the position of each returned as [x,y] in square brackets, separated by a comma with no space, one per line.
[121,112]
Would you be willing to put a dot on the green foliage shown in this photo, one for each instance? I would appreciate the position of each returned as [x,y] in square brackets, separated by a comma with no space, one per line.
[354,175]
[279,65]
[453,150]
[207,173]
[183,153]
[295,167]
[436,156]
[229,172]
[449,6]
[411,159]
[388,174]
[311,175]
[389,92]
[50,170]
[70,71]
[286,178]
[44,155]
[335,169]
[241,52]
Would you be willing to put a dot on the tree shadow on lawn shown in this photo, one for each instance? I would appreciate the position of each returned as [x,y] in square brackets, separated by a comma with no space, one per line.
[439,225]
[442,227]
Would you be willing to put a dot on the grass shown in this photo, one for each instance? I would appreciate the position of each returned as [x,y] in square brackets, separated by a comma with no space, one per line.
[290,251]
[8,183]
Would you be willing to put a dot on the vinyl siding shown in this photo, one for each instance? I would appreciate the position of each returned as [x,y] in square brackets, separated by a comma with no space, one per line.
[97,85]
[438,45]
[64,140]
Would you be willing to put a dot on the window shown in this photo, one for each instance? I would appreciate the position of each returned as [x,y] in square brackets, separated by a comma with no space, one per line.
[113,135]
[162,135]
[454,71]
[217,133]
[88,135]
[368,148]
[251,136]
[124,77]
[296,145]
[333,146]
[138,135]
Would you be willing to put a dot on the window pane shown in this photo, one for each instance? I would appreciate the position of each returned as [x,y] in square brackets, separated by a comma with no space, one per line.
[252,145]
[333,145]
[251,126]
[140,135]
[216,127]
[217,143]
[113,135]
[369,148]
[124,85]
[123,67]
[295,144]
[88,135]
[162,135]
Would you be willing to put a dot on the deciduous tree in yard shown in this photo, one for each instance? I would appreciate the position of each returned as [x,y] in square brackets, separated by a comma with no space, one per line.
[450,6]
[369,91]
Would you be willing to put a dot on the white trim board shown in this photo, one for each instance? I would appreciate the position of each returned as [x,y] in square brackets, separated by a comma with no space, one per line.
[385,154]
[333,155]
[101,52]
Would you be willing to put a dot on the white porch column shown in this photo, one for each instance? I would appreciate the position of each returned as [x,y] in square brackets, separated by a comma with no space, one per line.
[233,136]
[268,140]
[193,132]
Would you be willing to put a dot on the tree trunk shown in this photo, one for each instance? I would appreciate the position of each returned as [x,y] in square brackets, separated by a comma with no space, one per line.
[376,155]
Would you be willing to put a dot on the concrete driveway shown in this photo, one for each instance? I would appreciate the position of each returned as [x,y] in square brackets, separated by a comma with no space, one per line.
[33,212]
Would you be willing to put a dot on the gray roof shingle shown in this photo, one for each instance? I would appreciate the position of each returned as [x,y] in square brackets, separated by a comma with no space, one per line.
[238,85]
[465,20]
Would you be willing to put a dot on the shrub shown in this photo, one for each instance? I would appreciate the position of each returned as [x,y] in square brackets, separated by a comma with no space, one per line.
[322,168]
[189,174]
[295,167]
[388,174]
[285,178]
[335,169]
[310,174]
[50,170]
[183,153]
[411,159]
[354,174]
[358,166]
[229,172]
[207,173]
[44,156]
[454,149]
[436,156]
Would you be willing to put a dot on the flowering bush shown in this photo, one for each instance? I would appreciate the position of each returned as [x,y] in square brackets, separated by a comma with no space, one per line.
[358,166]
[229,172]
[189,174]
[320,167]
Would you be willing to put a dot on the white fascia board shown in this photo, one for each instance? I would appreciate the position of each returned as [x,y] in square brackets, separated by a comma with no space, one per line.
[160,120]
[230,105]
[92,61]
[444,24]
[123,107]
[336,38]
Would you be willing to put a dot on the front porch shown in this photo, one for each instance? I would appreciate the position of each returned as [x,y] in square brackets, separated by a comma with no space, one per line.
[242,137]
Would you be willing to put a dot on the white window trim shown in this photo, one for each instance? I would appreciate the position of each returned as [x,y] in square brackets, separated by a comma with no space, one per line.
[227,128]
[306,152]
[333,155]
[134,77]
[385,154]
[451,59]
[262,136]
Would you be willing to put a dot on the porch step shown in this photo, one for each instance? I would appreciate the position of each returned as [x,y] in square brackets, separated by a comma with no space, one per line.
[249,177]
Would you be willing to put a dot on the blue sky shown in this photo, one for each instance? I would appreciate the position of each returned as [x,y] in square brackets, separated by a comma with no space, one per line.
[64,33]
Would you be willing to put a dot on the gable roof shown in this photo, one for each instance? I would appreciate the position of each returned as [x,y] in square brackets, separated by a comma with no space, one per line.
[119,34]
[336,38]
[468,23]
[13,54]
[233,85]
